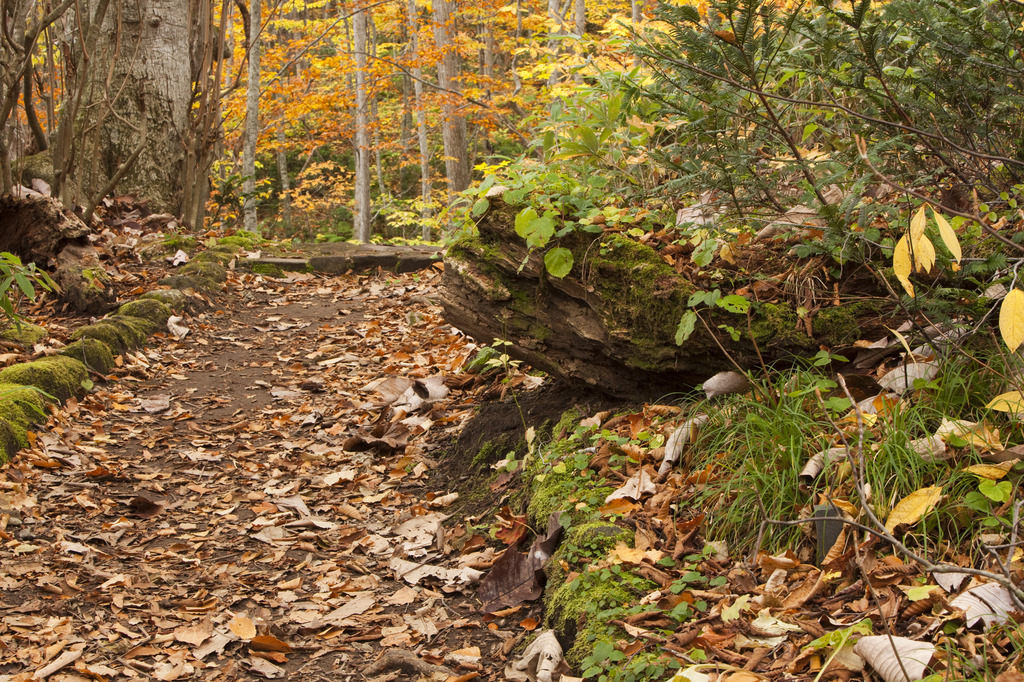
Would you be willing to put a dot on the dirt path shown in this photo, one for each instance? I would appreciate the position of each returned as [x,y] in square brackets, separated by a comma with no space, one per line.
[201,518]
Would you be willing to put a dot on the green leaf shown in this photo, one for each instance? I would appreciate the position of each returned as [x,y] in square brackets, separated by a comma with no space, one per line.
[686,325]
[734,303]
[486,184]
[480,207]
[588,138]
[705,252]
[1000,491]
[523,219]
[539,232]
[558,261]
[808,131]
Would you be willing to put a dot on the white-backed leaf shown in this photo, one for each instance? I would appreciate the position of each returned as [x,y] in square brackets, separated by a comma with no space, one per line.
[890,656]
[725,383]
[989,602]
[902,378]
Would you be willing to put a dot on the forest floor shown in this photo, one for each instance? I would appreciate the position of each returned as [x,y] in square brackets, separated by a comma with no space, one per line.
[240,503]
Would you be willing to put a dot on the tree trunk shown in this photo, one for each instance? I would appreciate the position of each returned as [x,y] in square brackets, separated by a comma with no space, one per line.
[453,129]
[286,186]
[362,141]
[421,122]
[129,111]
[252,118]
[554,43]
[580,17]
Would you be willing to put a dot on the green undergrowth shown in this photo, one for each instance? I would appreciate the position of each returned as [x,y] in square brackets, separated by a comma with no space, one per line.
[742,469]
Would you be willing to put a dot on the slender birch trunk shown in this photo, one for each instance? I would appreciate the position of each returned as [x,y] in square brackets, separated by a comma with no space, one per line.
[361,225]
[252,120]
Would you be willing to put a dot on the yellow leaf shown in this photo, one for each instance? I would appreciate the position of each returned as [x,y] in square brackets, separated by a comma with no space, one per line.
[1011,319]
[624,554]
[917,225]
[912,507]
[924,254]
[948,236]
[992,472]
[1007,402]
[902,265]
[903,341]
[243,627]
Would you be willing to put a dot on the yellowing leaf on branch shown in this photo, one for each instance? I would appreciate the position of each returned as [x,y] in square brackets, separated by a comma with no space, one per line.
[911,508]
[924,254]
[917,225]
[1011,319]
[948,236]
[902,265]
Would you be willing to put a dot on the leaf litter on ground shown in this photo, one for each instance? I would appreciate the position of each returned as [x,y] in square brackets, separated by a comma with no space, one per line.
[205,515]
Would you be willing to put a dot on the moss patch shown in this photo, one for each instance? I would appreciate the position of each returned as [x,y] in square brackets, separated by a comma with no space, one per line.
[24,334]
[776,325]
[59,376]
[565,491]
[92,353]
[193,282]
[148,309]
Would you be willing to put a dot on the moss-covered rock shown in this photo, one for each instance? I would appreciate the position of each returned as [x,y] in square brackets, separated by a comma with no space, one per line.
[92,353]
[214,255]
[118,333]
[241,240]
[266,269]
[168,247]
[58,376]
[22,405]
[213,272]
[148,309]
[24,334]
[87,289]
[175,299]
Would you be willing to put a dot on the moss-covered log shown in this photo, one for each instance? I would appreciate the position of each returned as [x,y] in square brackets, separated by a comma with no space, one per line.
[611,322]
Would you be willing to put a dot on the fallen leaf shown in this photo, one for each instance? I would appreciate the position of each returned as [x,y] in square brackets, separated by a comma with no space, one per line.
[243,627]
[911,508]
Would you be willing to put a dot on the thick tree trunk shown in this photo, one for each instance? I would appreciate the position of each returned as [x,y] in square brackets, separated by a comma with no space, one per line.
[611,323]
[362,140]
[453,129]
[134,105]
[252,118]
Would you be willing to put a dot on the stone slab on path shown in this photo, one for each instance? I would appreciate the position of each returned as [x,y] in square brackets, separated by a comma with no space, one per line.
[342,257]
